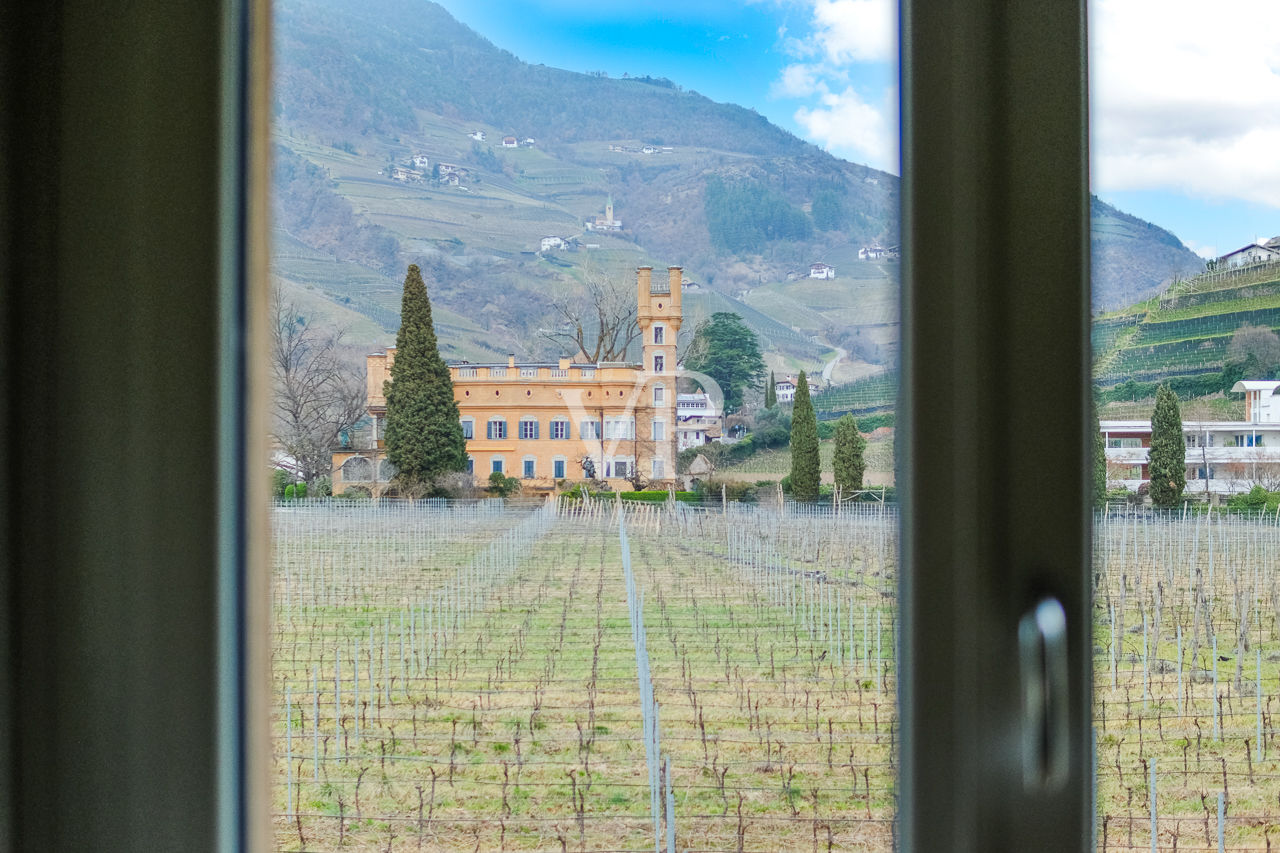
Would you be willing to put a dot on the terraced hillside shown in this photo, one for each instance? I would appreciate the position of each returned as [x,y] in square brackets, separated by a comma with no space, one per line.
[1186,332]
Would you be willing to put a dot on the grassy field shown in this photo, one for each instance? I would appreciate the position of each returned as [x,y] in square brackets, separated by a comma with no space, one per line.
[465,678]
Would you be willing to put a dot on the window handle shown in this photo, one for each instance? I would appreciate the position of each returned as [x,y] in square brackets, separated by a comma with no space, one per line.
[1042,652]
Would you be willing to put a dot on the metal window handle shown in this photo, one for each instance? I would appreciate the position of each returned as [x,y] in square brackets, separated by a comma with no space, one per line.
[1042,652]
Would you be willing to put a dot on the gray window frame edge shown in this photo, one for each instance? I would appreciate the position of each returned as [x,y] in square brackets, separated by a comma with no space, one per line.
[133,181]
[995,342]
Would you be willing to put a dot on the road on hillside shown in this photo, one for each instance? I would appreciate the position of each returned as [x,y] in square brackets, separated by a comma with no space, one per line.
[831,365]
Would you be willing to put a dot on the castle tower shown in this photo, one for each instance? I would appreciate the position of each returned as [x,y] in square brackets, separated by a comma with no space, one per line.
[659,316]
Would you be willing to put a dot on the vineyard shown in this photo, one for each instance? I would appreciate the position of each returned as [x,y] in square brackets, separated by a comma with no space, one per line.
[607,677]
[1183,333]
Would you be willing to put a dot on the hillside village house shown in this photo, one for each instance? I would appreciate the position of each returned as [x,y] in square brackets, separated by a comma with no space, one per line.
[509,142]
[1228,456]
[547,422]
[821,270]
[549,243]
[1254,253]
[785,390]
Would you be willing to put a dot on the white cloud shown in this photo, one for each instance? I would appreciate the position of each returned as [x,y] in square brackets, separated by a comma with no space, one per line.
[855,30]
[850,49]
[1186,96]
[846,125]
[800,80]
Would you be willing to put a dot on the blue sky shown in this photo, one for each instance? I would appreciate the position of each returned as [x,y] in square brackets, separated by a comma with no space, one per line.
[1185,95]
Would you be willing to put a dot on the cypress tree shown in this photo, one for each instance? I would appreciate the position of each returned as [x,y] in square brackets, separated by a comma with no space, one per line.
[770,393]
[1099,461]
[847,459]
[423,431]
[1167,463]
[806,466]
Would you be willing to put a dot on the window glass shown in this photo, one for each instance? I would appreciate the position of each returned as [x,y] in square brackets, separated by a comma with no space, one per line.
[769,613]
[1174,341]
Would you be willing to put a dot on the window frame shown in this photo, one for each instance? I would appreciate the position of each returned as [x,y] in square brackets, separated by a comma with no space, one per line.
[468,427]
[995,203]
[496,424]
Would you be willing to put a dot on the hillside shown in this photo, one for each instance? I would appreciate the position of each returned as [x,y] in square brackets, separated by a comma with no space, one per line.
[744,206]
[1132,258]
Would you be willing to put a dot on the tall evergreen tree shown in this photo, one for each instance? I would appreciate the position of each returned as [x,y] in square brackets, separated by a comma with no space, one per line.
[847,460]
[725,349]
[1099,461]
[1167,463]
[806,466]
[423,431]
[771,392]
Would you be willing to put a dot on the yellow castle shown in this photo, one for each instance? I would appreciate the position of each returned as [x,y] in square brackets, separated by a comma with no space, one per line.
[551,422]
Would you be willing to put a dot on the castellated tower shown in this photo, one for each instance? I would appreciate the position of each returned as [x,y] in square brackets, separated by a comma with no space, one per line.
[659,317]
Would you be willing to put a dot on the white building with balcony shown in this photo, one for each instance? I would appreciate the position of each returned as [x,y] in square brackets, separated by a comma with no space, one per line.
[1223,457]
[698,420]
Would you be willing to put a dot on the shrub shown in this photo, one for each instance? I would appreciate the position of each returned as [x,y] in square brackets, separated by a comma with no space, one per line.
[502,486]
[290,491]
[300,491]
[279,480]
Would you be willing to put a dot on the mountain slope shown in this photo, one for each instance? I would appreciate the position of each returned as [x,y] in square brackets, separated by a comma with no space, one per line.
[363,88]
[1133,258]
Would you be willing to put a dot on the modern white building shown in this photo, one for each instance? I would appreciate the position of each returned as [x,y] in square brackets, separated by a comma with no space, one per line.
[698,420]
[1223,456]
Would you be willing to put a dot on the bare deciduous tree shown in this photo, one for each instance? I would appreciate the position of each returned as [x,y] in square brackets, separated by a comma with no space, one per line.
[319,392]
[1256,345]
[600,322]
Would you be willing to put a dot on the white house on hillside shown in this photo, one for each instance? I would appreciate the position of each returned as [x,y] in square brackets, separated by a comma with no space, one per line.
[1227,456]
[1254,253]
[785,390]
[821,270]
[549,243]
